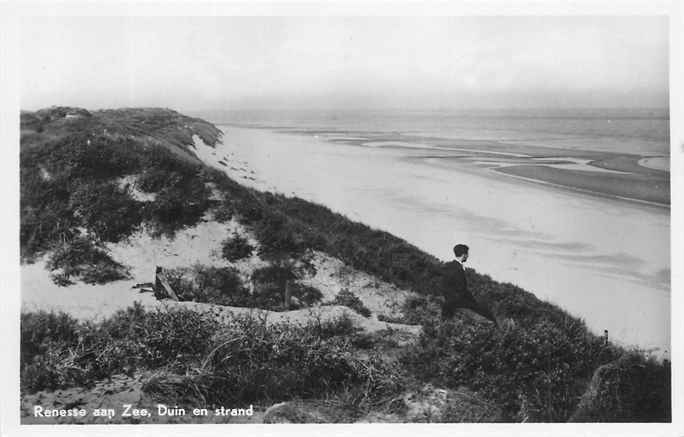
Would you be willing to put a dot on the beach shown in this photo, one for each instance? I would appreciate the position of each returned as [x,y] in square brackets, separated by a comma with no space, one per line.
[572,248]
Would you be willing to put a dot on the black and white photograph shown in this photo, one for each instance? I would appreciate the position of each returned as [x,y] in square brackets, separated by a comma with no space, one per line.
[290,218]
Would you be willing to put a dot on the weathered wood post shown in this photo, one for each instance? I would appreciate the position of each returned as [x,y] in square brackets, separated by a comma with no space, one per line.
[288,293]
[157,283]
[157,288]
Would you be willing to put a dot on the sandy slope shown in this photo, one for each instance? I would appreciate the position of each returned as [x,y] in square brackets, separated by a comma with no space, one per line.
[201,244]
[142,253]
[333,275]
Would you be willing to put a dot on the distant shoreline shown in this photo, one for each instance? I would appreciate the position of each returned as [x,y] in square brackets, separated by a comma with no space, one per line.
[627,178]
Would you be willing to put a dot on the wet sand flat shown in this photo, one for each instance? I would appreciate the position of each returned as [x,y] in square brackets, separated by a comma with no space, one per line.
[628,186]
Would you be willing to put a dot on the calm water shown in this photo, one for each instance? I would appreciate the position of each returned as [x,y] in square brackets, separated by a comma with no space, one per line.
[640,131]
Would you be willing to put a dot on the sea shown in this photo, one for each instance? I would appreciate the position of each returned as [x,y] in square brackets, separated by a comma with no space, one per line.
[635,130]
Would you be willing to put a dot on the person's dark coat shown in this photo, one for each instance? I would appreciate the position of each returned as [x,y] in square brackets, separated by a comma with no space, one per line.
[454,288]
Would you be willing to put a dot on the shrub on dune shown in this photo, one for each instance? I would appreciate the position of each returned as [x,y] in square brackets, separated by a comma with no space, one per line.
[275,284]
[236,248]
[217,285]
[350,300]
[82,258]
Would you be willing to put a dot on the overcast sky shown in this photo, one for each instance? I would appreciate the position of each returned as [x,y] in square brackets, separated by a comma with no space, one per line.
[336,62]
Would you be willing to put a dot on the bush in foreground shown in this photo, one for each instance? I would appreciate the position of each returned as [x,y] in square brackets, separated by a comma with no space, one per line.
[198,360]
[629,389]
[280,360]
[57,351]
[534,373]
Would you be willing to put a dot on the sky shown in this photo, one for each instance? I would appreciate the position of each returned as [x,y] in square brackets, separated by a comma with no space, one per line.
[200,63]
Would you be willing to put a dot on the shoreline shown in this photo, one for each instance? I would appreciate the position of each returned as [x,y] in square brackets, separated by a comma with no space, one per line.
[595,259]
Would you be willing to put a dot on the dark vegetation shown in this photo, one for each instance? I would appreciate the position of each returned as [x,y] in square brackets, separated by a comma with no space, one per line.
[200,363]
[350,300]
[236,248]
[629,389]
[151,126]
[58,352]
[534,373]
[224,286]
[415,310]
[537,367]
[82,258]
[279,361]
[272,283]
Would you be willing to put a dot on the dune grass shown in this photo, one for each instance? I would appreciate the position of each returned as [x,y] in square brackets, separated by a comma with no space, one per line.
[198,362]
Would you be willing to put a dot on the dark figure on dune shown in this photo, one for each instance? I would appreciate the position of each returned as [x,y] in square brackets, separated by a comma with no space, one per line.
[455,287]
